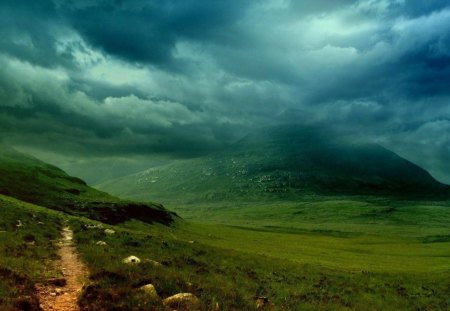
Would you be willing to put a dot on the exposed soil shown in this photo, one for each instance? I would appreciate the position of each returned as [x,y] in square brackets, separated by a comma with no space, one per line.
[63,293]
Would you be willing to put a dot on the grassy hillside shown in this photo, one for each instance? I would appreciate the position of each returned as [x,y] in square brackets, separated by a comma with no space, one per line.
[370,261]
[283,163]
[34,181]
[330,254]
[228,267]
[27,233]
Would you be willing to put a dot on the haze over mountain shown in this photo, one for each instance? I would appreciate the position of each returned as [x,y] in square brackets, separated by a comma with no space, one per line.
[283,162]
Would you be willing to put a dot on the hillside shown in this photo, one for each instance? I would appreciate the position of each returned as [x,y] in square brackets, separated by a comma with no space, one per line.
[283,163]
[333,255]
[31,180]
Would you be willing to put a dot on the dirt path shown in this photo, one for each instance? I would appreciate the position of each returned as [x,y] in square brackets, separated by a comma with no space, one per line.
[57,295]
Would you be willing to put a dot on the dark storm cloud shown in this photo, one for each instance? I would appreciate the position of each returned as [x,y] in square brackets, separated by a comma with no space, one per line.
[184,77]
[147,31]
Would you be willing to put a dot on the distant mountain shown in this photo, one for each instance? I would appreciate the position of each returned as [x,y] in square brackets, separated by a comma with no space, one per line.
[31,180]
[284,162]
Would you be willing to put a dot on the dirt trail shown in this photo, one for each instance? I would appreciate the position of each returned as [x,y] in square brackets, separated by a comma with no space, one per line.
[56,297]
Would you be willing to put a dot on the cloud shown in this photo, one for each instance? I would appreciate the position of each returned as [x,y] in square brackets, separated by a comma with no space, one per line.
[184,78]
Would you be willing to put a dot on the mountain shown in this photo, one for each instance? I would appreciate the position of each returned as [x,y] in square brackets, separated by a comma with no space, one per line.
[284,162]
[31,180]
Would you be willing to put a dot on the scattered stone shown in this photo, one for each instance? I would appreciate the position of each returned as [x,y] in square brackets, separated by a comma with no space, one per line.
[132,260]
[19,224]
[40,223]
[191,242]
[101,243]
[53,294]
[109,231]
[150,291]
[58,291]
[182,301]
[93,226]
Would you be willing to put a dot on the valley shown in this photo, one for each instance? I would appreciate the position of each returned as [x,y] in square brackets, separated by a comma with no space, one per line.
[317,252]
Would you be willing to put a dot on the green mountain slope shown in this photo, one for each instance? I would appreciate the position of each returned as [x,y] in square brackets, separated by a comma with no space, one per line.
[31,180]
[283,162]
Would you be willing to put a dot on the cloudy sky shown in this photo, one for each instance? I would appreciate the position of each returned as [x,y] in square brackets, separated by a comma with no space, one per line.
[100,80]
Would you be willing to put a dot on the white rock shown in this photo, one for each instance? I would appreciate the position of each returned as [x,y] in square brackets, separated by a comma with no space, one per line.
[101,243]
[133,260]
[109,231]
[150,291]
[182,301]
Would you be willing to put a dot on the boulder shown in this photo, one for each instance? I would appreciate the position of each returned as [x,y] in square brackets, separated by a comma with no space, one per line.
[109,231]
[182,301]
[132,260]
[150,291]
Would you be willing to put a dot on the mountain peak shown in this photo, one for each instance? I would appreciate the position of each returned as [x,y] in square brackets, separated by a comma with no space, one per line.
[284,162]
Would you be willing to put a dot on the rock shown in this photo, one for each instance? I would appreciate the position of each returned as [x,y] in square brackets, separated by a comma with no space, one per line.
[182,301]
[109,231]
[19,224]
[92,226]
[191,242]
[132,260]
[101,243]
[150,291]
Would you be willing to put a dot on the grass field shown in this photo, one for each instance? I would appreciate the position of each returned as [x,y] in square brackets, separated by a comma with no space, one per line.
[363,258]
[360,259]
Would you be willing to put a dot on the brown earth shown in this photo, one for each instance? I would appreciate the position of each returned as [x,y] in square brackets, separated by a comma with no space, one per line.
[62,294]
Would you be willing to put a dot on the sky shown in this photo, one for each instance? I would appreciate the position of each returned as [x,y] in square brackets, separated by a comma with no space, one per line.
[127,84]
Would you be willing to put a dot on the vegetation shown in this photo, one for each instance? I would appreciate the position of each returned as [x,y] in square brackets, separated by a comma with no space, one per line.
[27,235]
[283,163]
[34,181]
[229,267]
[320,253]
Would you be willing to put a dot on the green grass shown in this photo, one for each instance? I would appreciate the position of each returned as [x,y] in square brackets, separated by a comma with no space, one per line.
[26,251]
[337,254]
[229,266]
[341,214]
[317,253]
[353,261]
[34,181]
